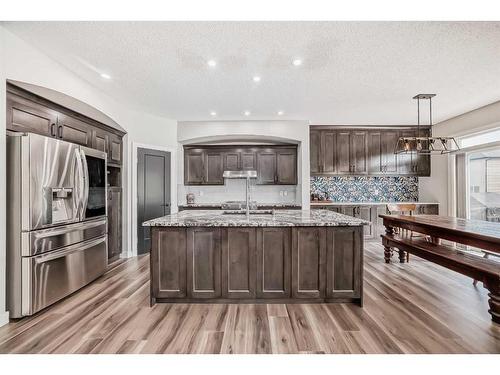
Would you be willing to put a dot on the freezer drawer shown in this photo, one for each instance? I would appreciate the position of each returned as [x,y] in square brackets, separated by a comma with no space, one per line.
[51,276]
[42,241]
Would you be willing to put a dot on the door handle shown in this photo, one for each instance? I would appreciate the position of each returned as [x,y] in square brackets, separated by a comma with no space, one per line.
[59,131]
[53,129]
[165,205]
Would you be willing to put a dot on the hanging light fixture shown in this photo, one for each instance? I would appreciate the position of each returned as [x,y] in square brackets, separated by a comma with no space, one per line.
[425,145]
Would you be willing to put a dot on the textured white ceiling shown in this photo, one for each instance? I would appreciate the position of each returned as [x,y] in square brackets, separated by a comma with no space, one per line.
[353,72]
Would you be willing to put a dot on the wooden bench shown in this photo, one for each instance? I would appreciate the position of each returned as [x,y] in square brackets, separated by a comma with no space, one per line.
[485,270]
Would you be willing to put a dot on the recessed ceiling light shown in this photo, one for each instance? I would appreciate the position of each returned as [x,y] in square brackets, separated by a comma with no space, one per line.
[211,63]
[246,113]
[281,113]
[256,79]
[297,62]
[213,113]
[105,76]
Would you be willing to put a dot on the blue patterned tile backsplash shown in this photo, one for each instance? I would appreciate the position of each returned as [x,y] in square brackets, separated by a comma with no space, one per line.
[366,189]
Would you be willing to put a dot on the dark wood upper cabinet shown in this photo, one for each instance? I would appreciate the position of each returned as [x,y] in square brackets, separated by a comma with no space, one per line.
[348,151]
[328,155]
[73,130]
[286,167]
[232,161]
[343,152]
[275,165]
[381,156]
[194,166]
[100,140]
[114,149]
[266,167]
[358,153]
[213,168]
[26,116]
[315,151]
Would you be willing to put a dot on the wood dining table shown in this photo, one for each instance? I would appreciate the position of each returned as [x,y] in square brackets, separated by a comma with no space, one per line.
[476,233]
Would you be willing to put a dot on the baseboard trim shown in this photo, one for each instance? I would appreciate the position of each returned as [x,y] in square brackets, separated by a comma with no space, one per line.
[4,318]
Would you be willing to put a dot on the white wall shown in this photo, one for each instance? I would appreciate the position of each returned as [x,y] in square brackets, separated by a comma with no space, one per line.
[21,61]
[436,187]
[190,132]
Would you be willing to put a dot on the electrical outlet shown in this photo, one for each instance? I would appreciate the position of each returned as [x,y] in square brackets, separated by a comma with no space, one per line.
[201,193]
[285,193]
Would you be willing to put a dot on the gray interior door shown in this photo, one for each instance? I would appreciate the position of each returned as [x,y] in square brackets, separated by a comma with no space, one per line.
[153,192]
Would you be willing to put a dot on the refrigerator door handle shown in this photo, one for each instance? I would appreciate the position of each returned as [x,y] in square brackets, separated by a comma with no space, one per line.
[69,250]
[79,183]
[86,183]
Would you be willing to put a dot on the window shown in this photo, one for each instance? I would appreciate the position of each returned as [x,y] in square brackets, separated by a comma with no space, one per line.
[484,185]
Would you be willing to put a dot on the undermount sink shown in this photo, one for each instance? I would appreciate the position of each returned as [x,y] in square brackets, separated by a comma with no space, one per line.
[252,212]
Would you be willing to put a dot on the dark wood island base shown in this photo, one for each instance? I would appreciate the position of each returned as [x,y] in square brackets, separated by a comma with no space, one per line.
[257,264]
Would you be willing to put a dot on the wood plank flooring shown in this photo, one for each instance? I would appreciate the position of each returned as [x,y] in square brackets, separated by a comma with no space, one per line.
[411,308]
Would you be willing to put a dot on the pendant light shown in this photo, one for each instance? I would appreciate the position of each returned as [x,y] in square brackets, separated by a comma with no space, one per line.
[425,145]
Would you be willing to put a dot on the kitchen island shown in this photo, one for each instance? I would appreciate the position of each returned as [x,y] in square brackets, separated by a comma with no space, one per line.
[287,256]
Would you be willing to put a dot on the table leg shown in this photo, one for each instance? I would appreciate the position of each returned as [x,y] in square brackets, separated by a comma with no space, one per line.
[387,250]
[402,256]
[494,301]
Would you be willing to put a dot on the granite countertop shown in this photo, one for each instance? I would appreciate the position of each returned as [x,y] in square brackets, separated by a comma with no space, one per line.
[319,203]
[218,205]
[281,218]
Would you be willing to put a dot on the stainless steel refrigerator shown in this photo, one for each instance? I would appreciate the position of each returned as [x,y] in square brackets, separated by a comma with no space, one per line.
[56,220]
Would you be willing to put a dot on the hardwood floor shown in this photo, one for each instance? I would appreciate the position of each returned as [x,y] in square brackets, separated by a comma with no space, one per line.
[411,308]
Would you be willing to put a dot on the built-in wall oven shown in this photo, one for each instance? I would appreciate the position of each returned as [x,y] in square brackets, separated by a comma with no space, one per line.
[56,220]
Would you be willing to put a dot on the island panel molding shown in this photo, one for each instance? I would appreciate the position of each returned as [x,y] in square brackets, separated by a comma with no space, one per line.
[308,256]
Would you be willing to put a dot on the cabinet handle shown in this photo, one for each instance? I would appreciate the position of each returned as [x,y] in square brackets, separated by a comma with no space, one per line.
[53,129]
[60,131]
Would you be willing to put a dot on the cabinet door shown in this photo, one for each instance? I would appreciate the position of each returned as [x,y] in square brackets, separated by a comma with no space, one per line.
[328,154]
[273,262]
[375,163]
[248,160]
[308,262]
[194,161]
[343,151]
[315,151]
[358,152]
[286,167]
[73,130]
[26,116]
[238,262]
[168,254]
[231,161]
[344,266]
[406,162]
[114,222]
[100,140]
[213,168]
[387,147]
[204,262]
[423,162]
[350,210]
[115,149]
[266,167]
[368,213]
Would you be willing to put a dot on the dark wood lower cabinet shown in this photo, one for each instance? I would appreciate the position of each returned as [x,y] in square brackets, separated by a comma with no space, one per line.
[114,222]
[238,262]
[204,262]
[274,262]
[309,264]
[168,263]
[344,263]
